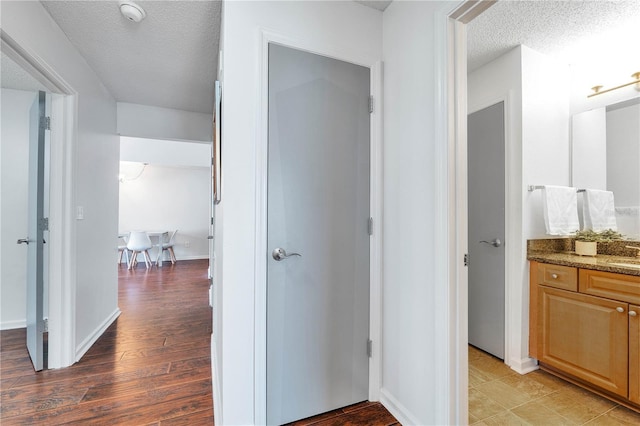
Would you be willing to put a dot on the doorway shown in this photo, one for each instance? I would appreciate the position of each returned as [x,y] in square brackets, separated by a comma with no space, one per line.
[318,212]
[24,72]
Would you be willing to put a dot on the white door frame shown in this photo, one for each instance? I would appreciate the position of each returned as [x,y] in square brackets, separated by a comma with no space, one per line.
[451,224]
[62,275]
[375,324]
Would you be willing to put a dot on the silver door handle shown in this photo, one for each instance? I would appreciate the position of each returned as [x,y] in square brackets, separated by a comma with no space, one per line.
[23,241]
[495,243]
[281,254]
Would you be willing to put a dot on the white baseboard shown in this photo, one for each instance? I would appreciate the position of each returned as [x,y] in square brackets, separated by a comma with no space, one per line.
[396,409]
[166,259]
[196,257]
[217,386]
[93,337]
[524,366]
[10,325]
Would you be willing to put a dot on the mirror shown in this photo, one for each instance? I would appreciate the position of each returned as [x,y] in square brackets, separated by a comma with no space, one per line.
[606,155]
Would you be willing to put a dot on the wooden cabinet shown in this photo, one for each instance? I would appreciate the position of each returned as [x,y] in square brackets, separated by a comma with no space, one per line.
[634,354]
[586,337]
[585,325]
[610,285]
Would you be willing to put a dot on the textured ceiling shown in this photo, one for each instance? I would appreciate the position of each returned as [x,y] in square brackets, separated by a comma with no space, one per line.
[554,28]
[380,5]
[167,60]
[13,76]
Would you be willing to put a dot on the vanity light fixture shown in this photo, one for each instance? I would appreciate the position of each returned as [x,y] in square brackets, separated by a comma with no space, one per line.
[597,90]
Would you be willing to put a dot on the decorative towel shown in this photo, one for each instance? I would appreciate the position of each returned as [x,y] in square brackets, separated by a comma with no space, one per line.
[560,206]
[598,211]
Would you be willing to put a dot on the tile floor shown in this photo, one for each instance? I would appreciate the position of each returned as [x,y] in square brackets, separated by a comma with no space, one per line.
[500,396]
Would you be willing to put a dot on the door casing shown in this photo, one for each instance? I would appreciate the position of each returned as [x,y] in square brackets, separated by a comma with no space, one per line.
[451,132]
[375,256]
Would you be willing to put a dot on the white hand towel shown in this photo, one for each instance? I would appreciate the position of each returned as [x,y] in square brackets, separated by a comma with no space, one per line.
[598,210]
[560,206]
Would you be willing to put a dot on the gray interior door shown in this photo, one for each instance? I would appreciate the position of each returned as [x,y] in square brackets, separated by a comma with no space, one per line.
[486,174]
[318,208]
[36,229]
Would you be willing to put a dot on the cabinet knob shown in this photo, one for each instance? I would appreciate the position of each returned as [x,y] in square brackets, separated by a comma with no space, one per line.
[632,313]
[620,309]
[554,276]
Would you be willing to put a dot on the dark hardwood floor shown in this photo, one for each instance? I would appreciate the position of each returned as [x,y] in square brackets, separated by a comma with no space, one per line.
[361,414]
[151,367]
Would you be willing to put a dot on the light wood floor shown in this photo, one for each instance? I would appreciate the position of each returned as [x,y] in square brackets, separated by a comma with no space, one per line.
[151,367]
[500,396]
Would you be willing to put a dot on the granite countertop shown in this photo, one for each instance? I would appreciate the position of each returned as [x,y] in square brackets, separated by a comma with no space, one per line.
[560,252]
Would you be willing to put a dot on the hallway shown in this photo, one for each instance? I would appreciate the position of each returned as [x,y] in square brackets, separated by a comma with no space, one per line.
[151,367]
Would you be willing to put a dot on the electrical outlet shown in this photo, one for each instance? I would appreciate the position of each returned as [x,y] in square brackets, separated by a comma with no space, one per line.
[187,243]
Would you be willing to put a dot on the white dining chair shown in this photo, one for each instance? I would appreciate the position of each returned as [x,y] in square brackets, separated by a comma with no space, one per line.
[123,250]
[168,245]
[139,242]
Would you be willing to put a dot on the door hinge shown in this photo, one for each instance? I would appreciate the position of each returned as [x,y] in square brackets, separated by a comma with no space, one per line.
[45,122]
[44,224]
[369,348]
[212,221]
[466,259]
[370,226]
[45,325]
[370,104]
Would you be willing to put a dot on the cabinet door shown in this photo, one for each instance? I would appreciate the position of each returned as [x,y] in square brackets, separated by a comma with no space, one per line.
[585,336]
[634,354]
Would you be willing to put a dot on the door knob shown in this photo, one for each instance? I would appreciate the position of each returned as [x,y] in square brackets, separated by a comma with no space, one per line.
[23,241]
[495,243]
[281,254]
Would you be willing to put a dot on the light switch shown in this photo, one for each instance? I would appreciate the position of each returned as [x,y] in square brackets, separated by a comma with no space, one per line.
[79,212]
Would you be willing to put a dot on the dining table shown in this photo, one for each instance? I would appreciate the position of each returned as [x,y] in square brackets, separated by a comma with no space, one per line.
[157,238]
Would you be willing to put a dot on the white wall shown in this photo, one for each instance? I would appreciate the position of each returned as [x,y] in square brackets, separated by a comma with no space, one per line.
[152,122]
[165,152]
[416,354]
[15,180]
[168,198]
[96,170]
[545,131]
[339,26]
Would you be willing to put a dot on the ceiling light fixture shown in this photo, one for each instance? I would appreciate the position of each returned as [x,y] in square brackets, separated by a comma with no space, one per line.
[132,11]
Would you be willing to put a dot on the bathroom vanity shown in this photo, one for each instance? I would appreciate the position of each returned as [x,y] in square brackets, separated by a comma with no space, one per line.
[584,320]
